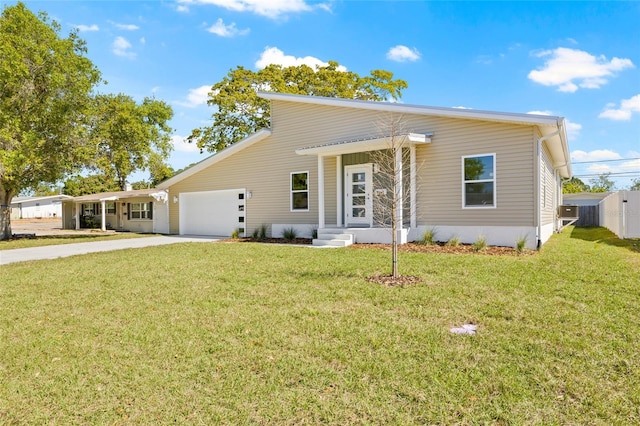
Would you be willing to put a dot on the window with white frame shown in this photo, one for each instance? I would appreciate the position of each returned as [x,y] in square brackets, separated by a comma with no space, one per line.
[110,208]
[479,181]
[299,191]
[140,210]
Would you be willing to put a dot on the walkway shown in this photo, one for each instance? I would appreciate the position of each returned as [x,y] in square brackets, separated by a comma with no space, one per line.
[66,250]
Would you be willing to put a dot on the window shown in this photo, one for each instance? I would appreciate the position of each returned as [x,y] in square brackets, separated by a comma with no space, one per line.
[300,191]
[111,208]
[479,181]
[140,211]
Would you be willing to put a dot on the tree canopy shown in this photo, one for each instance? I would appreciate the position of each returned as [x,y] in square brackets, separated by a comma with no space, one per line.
[129,136]
[78,185]
[574,186]
[46,84]
[603,183]
[241,112]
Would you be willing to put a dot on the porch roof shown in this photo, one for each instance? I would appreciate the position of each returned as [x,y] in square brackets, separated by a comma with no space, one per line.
[118,195]
[366,144]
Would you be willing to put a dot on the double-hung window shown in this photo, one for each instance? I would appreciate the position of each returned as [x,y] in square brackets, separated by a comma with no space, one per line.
[299,191]
[140,211]
[479,181]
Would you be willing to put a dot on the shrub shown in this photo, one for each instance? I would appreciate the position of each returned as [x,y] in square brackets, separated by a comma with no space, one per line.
[520,244]
[289,234]
[454,241]
[235,234]
[260,233]
[429,237]
[480,243]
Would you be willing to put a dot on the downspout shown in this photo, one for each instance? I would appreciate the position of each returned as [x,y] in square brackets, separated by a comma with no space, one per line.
[538,184]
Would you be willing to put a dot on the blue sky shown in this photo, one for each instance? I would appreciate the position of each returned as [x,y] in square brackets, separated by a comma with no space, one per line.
[579,60]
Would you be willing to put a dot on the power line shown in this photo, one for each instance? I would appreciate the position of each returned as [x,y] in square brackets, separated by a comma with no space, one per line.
[605,161]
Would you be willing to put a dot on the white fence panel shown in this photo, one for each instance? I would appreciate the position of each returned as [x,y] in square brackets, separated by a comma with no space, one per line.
[620,213]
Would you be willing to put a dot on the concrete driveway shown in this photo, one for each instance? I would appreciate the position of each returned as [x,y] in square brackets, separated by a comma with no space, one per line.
[65,250]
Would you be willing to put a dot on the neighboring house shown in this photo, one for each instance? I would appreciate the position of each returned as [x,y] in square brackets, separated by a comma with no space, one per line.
[143,210]
[37,207]
[584,198]
[313,170]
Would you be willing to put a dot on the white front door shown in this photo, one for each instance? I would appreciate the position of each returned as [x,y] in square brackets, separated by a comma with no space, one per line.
[358,202]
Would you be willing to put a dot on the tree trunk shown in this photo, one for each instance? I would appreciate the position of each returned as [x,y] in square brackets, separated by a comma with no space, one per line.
[5,214]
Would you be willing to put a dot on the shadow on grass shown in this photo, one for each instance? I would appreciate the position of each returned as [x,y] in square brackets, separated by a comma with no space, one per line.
[604,236]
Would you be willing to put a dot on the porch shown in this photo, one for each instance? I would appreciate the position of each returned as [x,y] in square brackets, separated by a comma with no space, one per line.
[372,191]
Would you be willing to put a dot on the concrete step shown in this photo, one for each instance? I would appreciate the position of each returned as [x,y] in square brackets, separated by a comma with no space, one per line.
[330,243]
[328,236]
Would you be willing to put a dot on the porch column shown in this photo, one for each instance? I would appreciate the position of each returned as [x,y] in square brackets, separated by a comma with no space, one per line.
[320,192]
[413,190]
[398,188]
[103,222]
[77,215]
[339,189]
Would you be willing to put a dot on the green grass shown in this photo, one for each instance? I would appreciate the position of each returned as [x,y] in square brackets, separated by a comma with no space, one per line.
[51,240]
[228,333]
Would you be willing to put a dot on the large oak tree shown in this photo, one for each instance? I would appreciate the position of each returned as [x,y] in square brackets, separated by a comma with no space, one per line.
[46,84]
[241,112]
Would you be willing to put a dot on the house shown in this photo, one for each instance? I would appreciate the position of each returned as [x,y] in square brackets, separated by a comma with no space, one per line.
[313,171]
[142,210]
[37,207]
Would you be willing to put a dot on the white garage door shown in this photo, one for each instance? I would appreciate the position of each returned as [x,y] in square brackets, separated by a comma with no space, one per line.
[215,213]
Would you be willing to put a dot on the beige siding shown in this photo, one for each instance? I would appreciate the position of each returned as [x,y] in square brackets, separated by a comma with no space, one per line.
[547,188]
[264,167]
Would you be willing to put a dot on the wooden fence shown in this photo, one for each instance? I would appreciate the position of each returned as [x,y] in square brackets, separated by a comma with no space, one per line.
[589,216]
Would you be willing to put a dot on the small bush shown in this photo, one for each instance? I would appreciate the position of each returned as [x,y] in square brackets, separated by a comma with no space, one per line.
[520,244]
[289,234]
[260,233]
[429,237]
[235,234]
[454,241]
[480,243]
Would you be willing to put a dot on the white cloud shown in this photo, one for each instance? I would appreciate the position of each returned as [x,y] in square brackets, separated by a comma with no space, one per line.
[627,108]
[269,8]
[196,97]
[125,27]
[540,112]
[84,28]
[180,144]
[461,107]
[596,155]
[121,47]
[273,55]
[219,28]
[569,69]
[402,53]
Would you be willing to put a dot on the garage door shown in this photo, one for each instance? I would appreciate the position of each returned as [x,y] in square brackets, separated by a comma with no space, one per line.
[215,213]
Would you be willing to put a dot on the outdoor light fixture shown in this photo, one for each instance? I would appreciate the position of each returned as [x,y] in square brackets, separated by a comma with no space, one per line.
[175,199]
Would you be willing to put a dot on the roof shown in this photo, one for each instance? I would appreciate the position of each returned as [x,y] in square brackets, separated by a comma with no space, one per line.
[52,198]
[552,128]
[366,144]
[116,195]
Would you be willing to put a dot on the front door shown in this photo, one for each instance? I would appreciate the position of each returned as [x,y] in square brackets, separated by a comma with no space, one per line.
[358,202]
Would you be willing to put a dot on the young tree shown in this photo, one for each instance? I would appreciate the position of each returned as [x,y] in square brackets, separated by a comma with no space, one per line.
[129,136]
[635,184]
[392,196]
[574,186]
[241,112]
[45,91]
[602,183]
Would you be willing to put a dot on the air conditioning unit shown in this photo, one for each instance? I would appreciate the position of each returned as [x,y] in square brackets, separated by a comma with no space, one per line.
[568,212]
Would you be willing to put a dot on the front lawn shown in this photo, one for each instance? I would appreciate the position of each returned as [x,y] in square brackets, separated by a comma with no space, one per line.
[244,333]
[52,240]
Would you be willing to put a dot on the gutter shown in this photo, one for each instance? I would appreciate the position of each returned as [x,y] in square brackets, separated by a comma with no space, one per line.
[538,184]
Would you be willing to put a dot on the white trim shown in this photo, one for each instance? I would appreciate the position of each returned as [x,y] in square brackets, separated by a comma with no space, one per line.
[368,167]
[320,191]
[494,180]
[217,157]
[413,173]
[291,209]
[339,191]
